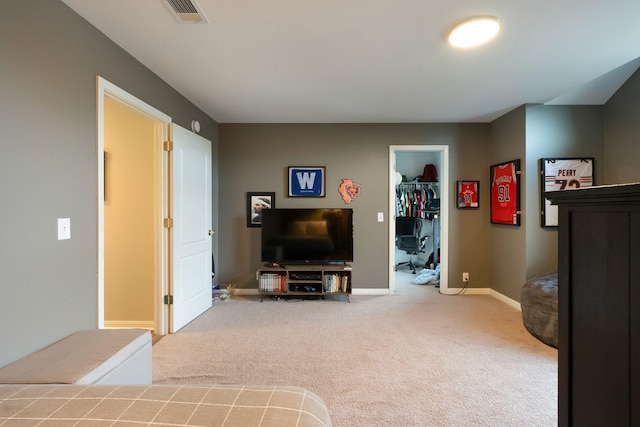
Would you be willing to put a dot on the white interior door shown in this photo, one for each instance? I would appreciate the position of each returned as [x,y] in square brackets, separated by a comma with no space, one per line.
[190,208]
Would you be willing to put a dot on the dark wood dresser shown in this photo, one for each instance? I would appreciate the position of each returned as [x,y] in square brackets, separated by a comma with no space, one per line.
[599,305]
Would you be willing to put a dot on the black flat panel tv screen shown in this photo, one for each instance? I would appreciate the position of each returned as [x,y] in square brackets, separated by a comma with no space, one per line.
[307,235]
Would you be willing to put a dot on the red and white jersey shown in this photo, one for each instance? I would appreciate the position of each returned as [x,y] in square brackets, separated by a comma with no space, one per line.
[468,195]
[564,174]
[504,203]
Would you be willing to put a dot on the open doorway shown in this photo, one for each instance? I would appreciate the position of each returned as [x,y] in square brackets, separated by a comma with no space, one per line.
[175,224]
[156,254]
[130,148]
[434,247]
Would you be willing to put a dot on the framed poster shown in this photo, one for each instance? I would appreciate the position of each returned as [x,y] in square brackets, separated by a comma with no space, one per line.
[468,194]
[505,193]
[306,181]
[561,174]
[256,202]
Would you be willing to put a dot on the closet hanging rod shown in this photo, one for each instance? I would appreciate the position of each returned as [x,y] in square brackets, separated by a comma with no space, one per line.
[407,184]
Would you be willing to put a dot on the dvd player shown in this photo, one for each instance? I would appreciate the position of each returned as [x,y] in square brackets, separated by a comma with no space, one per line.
[304,275]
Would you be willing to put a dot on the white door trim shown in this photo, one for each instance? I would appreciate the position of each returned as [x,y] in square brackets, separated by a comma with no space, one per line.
[105,88]
[443,150]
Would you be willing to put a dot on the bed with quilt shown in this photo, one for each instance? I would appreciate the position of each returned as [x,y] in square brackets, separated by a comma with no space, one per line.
[160,404]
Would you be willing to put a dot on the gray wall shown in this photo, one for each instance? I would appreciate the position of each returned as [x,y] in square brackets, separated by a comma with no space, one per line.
[555,131]
[622,134]
[254,157]
[50,57]
[497,256]
[507,242]
[529,133]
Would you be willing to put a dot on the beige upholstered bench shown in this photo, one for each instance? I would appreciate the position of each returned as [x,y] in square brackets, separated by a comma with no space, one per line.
[98,356]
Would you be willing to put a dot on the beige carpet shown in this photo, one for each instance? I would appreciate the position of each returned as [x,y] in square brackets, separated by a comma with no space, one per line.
[413,359]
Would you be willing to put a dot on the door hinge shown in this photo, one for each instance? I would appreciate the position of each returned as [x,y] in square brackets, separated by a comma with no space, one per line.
[168,299]
[168,146]
[168,222]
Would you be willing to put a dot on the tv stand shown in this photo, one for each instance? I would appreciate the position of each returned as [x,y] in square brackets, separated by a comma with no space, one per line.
[304,281]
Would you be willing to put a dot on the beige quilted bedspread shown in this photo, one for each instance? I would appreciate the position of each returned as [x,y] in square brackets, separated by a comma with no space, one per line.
[156,405]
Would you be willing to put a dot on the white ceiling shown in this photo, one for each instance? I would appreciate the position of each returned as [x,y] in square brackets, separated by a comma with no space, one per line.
[376,61]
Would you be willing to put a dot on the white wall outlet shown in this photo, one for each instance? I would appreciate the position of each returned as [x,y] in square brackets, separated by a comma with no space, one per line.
[64,228]
[380,216]
[465,277]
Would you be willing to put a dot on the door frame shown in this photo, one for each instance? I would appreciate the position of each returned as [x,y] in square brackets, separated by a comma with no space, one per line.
[443,150]
[104,89]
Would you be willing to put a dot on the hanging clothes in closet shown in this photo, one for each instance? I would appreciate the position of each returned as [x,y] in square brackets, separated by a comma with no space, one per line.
[413,200]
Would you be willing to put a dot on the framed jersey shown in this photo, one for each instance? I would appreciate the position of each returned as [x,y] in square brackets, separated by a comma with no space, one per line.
[468,194]
[505,193]
[561,174]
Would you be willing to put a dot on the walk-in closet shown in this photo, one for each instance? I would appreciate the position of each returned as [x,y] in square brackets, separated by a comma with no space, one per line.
[417,213]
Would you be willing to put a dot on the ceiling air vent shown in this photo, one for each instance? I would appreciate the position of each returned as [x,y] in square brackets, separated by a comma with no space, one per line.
[186,11]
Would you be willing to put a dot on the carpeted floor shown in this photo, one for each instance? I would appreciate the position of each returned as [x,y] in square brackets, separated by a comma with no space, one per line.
[416,358]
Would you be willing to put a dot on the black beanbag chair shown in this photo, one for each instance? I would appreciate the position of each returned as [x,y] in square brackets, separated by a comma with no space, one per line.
[539,302]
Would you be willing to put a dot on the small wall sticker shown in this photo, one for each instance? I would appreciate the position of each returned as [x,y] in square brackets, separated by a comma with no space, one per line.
[349,190]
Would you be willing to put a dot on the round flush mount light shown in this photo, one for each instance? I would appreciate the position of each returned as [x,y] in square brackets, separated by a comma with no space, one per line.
[474,31]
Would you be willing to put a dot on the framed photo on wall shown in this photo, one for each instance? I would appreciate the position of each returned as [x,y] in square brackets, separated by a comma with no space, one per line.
[468,194]
[306,181]
[558,175]
[505,193]
[256,203]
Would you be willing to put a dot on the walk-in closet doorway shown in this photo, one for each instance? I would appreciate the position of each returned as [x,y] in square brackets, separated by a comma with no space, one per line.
[409,160]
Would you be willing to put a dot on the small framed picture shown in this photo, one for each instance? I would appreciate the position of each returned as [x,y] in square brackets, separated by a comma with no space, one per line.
[505,193]
[256,202]
[306,181]
[468,194]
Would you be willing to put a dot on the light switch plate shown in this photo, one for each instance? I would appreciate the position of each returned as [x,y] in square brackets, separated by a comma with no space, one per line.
[64,228]
[380,216]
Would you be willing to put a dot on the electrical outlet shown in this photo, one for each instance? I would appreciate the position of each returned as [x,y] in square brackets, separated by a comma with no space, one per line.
[465,277]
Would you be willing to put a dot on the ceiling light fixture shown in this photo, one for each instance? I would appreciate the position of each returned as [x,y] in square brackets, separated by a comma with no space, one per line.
[474,31]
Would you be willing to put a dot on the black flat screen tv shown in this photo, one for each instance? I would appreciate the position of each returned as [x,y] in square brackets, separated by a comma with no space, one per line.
[300,236]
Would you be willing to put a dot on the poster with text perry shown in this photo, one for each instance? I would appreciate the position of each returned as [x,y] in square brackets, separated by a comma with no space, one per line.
[559,175]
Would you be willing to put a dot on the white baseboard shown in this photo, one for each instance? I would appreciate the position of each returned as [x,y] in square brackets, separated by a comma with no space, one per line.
[243,291]
[358,291]
[370,291]
[513,303]
[486,291]
[385,291]
[129,324]
[468,291]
